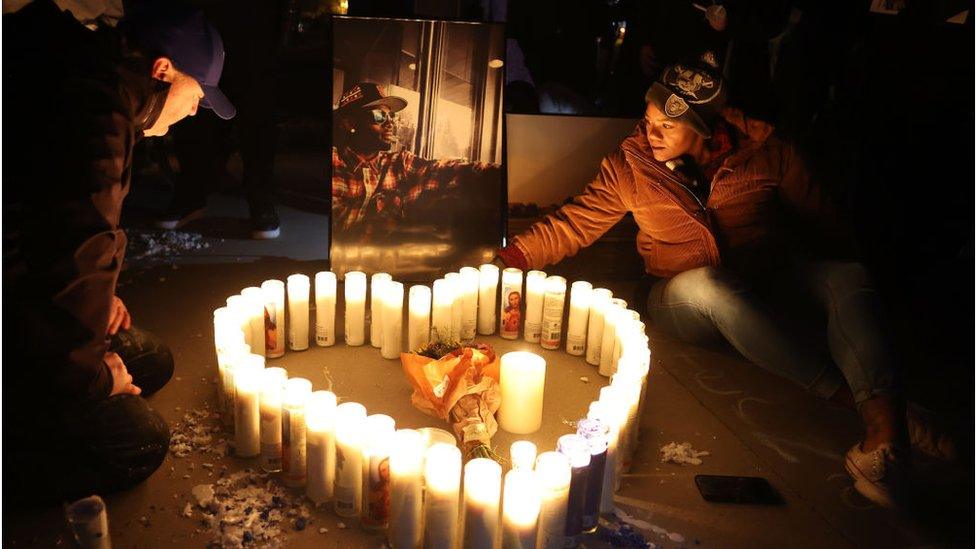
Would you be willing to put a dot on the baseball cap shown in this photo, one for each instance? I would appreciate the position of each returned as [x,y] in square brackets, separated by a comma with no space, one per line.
[365,95]
[691,93]
[182,33]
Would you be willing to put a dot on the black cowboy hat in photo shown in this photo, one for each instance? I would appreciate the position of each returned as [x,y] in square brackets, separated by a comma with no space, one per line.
[367,95]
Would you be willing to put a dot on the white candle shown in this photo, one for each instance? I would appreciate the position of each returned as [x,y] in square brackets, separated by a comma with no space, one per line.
[255,306]
[510,303]
[274,317]
[457,304]
[612,410]
[487,288]
[579,311]
[320,417]
[325,306]
[376,283]
[523,454]
[637,361]
[226,361]
[535,293]
[520,509]
[407,489]
[552,312]
[272,386]
[247,412]
[298,286]
[442,477]
[392,303]
[612,316]
[470,282]
[418,327]
[441,316]
[241,311]
[297,391]
[523,381]
[482,493]
[355,294]
[554,474]
[629,386]
[379,429]
[350,417]
[599,301]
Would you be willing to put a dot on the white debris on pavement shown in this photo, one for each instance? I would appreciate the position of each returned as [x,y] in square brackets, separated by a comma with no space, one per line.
[682,453]
[162,244]
[199,431]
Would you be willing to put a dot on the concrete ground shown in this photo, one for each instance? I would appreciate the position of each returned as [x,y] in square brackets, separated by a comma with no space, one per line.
[750,422]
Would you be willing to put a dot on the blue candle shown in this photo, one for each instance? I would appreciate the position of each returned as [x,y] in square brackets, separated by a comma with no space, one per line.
[577,449]
[597,435]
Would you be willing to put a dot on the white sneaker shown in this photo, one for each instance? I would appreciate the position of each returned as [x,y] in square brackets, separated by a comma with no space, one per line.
[880,475]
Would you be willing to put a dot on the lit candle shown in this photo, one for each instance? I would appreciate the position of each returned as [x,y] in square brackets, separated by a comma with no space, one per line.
[255,306]
[407,489]
[535,293]
[298,286]
[379,429]
[274,317]
[520,509]
[241,311]
[350,417]
[325,306]
[555,475]
[577,450]
[629,386]
[355,294]
[247,412]
[320,417]
[229,342]
[297,391]
[470,282]
[272,385]
[376,283]
[482,494]
[392,304]
[596,433]
[523,381]
[433,435]
[637,360]
[510,303]
[442,476]
[611,410]
[441,317]
[523,454]
[487,290]
[418,328]
[552,312]
[599,301]
[457,304]
[579,311]
[612,316]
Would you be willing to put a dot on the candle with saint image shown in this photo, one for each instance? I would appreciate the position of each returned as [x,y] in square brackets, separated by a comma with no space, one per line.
[552,312]
[612,315]
[350,418]
[470,282]
[418,327]
[272,386]
[523,454]
[247,412]
[520,509]
[298,290]
[457,305]
[320,440]
[241,312]
[355,294]
[535,294]
[577,450]
[392,304]
[376,283]
[599,301]
[555,475]
[294,459]
[407,488]
[441,316]
[274,317]
[442,476]
[255,318]
[379,429]
[580,294]
[482,494]
[510,303]
[487,290]
[325,307]
[523,381]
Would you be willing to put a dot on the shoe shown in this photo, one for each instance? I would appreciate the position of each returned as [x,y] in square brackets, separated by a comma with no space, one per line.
[880,475]
[264,222]
[178,216]
[928,436]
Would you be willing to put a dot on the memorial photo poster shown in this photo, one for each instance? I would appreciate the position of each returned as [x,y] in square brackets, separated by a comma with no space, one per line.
[417,173]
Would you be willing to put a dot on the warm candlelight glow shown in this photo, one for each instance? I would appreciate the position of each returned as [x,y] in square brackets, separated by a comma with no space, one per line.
[255,309]
[535,292]
[274,317]
[599,301]
[482,495]
[272,387]
[470,282]
[441,315]
[407,488]
[247,414]
[520,509]
[487,288]
[523,454]
[355,303]
[552,312]
[418,326]
[554,474]
[298,291]
[523,381]
[325,306]
[350,417]
[376,283]
[579,310]
[442,476]
[392,305]
[510,303]
[378,429]
[297,391]
[320,418]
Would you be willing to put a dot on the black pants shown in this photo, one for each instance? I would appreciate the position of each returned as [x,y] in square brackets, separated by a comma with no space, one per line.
[92,448]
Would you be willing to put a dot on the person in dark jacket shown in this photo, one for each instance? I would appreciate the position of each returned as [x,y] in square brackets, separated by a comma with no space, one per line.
[77,101]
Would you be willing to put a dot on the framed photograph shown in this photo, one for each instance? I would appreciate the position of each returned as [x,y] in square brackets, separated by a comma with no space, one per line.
[418,185]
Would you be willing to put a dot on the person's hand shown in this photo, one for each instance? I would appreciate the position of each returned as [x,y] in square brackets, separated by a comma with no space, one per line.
[121,379]
[118,317]
[717,17]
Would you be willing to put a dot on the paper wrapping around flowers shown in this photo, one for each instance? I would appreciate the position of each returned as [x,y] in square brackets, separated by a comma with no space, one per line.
[462,388]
